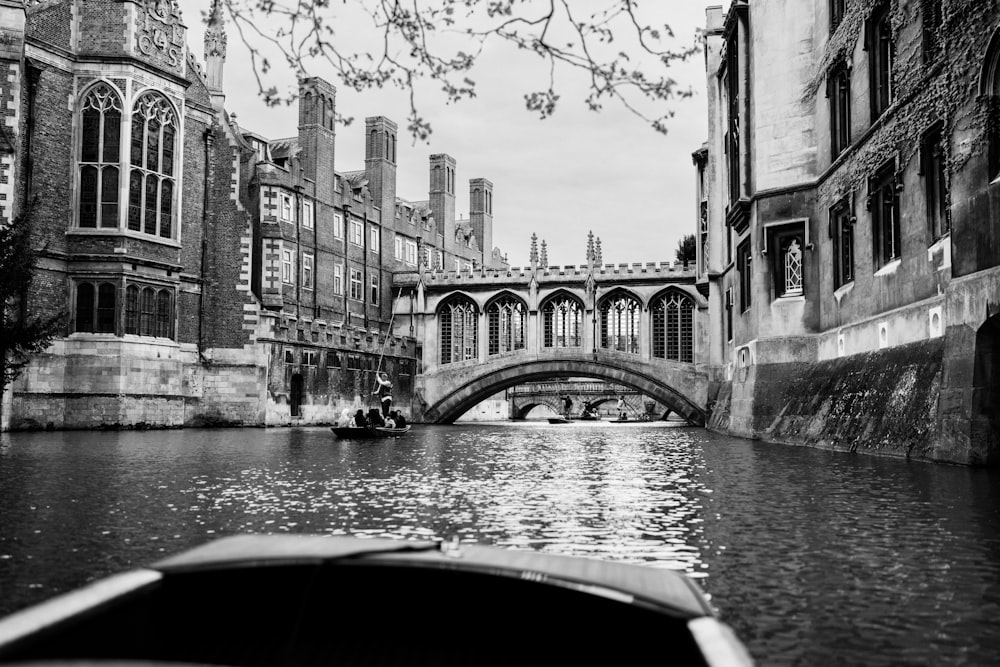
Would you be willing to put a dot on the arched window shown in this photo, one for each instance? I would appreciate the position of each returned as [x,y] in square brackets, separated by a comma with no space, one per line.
[164,314]
[620,324]
[989,87]
[132,310]
[506,318]
[151,181]
[562,318]
[457,331]
[96,306]
[673,327]
[373,144]
[101,121]
[147,311]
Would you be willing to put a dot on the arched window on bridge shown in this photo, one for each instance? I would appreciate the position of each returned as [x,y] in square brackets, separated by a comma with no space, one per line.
[620,324]
[673,327]
[457,322]
[506,318]
[563,316]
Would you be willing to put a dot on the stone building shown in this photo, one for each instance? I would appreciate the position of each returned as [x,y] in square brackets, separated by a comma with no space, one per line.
[848,199]
[208,274]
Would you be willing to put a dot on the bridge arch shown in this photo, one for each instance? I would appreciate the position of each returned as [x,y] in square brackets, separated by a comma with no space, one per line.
[463,395]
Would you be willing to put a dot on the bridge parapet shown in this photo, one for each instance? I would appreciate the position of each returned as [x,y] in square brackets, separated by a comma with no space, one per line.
[606,273]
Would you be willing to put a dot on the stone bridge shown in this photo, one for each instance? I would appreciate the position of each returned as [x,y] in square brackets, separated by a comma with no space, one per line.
[602,396]
[482,331]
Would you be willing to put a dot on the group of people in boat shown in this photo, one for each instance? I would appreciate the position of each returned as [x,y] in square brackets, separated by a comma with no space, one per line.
[386,418]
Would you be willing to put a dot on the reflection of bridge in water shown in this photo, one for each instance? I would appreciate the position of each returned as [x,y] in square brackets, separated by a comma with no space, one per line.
[599,396]
[484,331]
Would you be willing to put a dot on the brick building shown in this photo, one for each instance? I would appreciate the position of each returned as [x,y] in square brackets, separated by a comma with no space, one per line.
[848,195]
[208,274]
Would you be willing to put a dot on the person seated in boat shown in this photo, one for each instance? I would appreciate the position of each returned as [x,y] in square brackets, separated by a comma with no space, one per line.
[400,419]
[346,419]
[359,419]
[375,418]
[390,422]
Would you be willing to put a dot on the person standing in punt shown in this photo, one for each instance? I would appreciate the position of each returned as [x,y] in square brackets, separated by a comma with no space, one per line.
[383,388]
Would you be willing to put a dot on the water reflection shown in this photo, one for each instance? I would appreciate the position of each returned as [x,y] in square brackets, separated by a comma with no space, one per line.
[812,557]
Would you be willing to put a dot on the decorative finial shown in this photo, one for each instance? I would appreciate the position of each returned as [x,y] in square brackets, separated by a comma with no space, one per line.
[597,253]
[590,246]
[545,256]
[215,46]
[533,257]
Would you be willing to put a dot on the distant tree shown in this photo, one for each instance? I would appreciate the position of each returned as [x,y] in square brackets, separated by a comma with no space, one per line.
[21,334]
[686,251]
[624,58]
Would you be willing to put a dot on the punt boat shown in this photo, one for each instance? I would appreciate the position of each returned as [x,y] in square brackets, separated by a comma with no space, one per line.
[322,600]
[369,433]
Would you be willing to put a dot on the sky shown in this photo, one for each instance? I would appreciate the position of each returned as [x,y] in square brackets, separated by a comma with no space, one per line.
[560,177]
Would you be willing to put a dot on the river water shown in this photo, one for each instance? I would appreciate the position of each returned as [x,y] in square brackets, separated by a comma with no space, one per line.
[812,557]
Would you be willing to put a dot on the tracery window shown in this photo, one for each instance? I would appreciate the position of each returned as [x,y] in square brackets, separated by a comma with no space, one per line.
[620,324]
[151,181]
[149,311]
[100,157]
[506,317]
[562,318]
[673,327]
[457,333]
[791,253]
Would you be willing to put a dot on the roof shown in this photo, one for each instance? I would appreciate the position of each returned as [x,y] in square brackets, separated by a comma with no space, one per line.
[284,148]
[628,582]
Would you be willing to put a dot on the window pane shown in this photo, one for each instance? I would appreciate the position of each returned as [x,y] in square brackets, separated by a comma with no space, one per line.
[138,131]
[112,134]
[91,136]
[149,212]
[106,308]
[166,207]
[167,167]
[88,196]
[135,201]
[85,307]
[164,317]
[132,310]
[109,197]
[147,308]
[153,145]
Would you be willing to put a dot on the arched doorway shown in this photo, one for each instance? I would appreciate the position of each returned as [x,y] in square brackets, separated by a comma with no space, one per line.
[985,431]
[295,396]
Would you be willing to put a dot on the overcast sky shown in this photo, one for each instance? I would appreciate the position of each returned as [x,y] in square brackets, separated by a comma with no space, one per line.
[560,177]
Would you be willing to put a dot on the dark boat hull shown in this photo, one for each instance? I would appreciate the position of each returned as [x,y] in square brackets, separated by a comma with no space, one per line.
[254,600]
[377,433]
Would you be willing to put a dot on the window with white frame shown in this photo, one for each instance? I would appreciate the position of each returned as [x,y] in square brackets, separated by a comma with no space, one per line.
[285,206]
[338,226]
[428,256]
[287,267]
[307,270]
[338,278]
[373,291]
[411,252]
[307,214]
[375,237]
[397,250]
[439,260]
[357,232]
[356,284]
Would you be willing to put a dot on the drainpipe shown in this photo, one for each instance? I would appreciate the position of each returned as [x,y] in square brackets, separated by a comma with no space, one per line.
[206,199]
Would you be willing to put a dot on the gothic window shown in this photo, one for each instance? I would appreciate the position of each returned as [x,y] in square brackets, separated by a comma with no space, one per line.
[151,179]
[101,122]
[881,54]
[149,311]
[883,202]
[743,262]
[458,326]
[562,318]
[839,93]
[673,327]
[934,170]
[842,235]
[620,324]
[96,306]
[506,317]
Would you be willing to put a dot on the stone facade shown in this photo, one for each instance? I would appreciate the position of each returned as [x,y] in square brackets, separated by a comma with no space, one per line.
[847,198]
[209,275]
